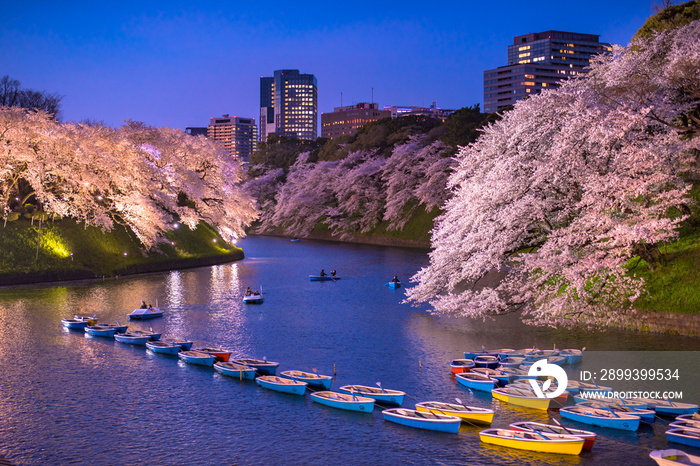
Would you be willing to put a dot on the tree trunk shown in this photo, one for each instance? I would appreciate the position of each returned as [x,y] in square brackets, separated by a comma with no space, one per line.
[38,240]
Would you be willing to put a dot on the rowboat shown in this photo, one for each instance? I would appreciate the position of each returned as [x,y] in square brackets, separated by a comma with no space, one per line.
[183,344]
[147,313]
[91,320]
[282,385]
[457,366]
[162,347]
[254,298]
[393,284]
[235,370]
[668,407]
[153,336]
[220,354]
[525,385]
[484,352]
[530,360]
[685,424]
[512,361]
[689,417]
[601,418]
[325,278]
[357,403]
[263,367]
[469,414]
[487,360]
[100,331]
[689,437]
[672,457]
[572,356]
[534,441]
[587,436]
[74,324]
[131,338]
[646,415]
[312,379]
[500,375]
[476,381]
[521,398]
[118,328]
[421,420]
[382,395]
[197,357]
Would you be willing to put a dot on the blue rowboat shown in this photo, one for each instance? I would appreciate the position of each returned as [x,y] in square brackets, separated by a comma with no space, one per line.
[162,347]
[484,352]
[152,336]
[512,362]
[601,418]
[100,331]
[131,338]
[235,370]
[146,313]
[361,404]
[487,360]
[313,380]
[393,284]
[382,395]
[199,358]
[476,381]
[632,403]
[422,420]
[74,324]
[502,376]
[572,356]
[670,408]
[689,437]
[558,360]
[282,385]
[647,415]
[184,345]
[325,278]
[263,367]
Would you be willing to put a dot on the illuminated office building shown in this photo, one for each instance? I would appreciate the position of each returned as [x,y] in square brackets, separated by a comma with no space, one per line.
[239,135]
[346,120]
[539,61]
[289,105]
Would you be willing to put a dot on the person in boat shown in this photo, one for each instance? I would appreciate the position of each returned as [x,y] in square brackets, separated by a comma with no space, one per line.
[256,293]
[396,279]
[248,292]
[323,272]
[150,307]
[144,305]
[332,273]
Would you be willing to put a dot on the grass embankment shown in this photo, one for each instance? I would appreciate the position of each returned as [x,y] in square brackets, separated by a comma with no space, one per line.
[68,250]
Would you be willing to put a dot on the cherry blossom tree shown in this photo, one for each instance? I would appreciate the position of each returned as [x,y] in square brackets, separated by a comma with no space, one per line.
[567,192]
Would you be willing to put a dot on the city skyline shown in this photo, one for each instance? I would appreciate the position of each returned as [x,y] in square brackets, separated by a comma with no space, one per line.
[181,66]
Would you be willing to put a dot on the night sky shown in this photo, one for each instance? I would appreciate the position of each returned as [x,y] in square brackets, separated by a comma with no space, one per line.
[179,63]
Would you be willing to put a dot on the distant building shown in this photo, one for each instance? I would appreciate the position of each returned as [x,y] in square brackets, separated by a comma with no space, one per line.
[433,111]
[196,130]
[539,61]
[239,135]
[346,120]
[289,105]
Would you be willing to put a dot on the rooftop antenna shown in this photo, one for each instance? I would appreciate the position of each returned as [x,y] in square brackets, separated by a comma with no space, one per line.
[341,99]
[372,96]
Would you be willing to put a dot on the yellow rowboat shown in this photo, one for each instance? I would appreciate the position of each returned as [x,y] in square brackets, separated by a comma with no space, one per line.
[533,441]
[468,414]
[520,398]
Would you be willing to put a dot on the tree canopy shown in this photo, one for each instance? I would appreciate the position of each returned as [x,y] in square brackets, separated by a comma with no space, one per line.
[12,95]
[570,190]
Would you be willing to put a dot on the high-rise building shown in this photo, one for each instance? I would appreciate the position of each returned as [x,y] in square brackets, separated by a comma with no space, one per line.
[539,61]
[346,120]
[239,135]
[289,105]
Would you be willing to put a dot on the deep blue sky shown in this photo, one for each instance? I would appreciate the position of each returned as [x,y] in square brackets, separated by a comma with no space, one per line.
[179,63]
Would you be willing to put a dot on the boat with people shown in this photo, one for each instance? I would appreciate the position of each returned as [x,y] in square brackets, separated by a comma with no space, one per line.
[382,395]
[163,347]
[323,278]
[534,441]
[519,397]
[197,357]
[673,457]
[235,370]
[98,330]
[131,338]
[476,381]
[185,345]
[457,366]
[684,436]
[253,297]
[281,384]
[262,366]
[145,313]
[529,426]
[311,378]
[393,283]
[423,420]
[601,417]
[468,414]
[352,402]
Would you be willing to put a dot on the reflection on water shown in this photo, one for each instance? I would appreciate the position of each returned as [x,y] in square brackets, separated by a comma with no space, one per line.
[63,392]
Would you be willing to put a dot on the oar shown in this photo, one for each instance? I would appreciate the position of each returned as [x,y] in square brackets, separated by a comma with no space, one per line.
[559,424]
[380,386]
[352,392]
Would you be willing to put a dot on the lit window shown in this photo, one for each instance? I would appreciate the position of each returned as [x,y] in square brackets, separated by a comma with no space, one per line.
[525,47]
[526,54]
[529,76]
